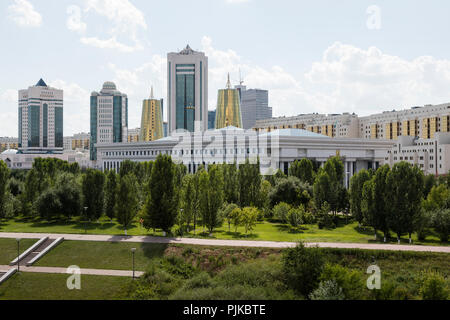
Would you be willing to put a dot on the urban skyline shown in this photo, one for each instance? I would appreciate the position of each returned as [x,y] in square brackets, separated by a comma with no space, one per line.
[319,73]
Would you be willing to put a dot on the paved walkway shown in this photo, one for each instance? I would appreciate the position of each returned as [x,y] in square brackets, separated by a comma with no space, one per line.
[97,272]
[225,243]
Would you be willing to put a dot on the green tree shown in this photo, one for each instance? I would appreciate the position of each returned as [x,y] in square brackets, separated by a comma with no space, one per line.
[405,187]
[126,207]
[381,205]
[440,221]
[303,170]
[433,286]
[189,200]
[226,213]
[236,218]
[160,209]
[68,192]
[249,218]
[230,183]
[302,268]
[281,211]
[349,280]
[93,193]
[264,199]
[4,175]
[290,190]
[295,216]
[249,177]
[356,189]
[437,198]
[48,205]
[110,193]
[429,183]
[211,197]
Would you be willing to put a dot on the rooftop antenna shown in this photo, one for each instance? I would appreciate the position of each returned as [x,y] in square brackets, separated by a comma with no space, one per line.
[228,82]
[151,93]
[241,81]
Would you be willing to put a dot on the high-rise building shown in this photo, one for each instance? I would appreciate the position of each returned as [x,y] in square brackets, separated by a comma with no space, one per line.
[77,141]
[134,135]
[187,90]
[228,111]
[211,120]
[109,117]
[152,119]
[40,119]
[254,105]
[165,128]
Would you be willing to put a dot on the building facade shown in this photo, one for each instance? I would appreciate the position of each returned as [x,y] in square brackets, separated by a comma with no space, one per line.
[211,120]
[254,106]
[187,90]
[7,143]
[228,111]
[134,135]
[40,119]
[152,119]
[77,141]
[275,150]
[109,117]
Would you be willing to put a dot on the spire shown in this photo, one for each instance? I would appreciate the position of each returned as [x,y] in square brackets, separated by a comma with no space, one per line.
[151,93]
[228,82]
[41,83]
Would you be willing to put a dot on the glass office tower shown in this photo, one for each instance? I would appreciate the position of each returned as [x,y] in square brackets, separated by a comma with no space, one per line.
[152,119]
[41,119]
[228,112]
[187,90]
[109,117]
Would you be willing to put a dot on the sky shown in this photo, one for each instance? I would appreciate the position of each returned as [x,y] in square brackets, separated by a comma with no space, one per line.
[322,56]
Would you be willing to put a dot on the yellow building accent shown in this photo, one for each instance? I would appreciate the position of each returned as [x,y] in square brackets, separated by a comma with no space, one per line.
[152,120]
[80,144]
[413,128]
[425,125]
[433,127]
[228,112]
[373,131]
[395,130]
[445,121]
[324,130]
[388,131]
[405,128]
[330,131]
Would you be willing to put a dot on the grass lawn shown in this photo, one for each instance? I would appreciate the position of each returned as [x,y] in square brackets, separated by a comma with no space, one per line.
[8,249]
[42,286]
[264,231]
[102,255]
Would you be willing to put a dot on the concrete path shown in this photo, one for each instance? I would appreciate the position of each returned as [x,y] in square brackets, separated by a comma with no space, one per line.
[225,243]
[98,272]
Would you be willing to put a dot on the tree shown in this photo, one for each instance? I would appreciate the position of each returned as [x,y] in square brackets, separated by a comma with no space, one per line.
[433,286]
[160,209]
[356,188]
[437,198]
[380,195]
[249,184]
[349,280]
[126,207]
[4,175]
[211,197]
[68,192]
[249,218]
[189,200]
[323,189]
[48,204]
[303,170]
[440,221]
[405,187]
[429,183]
[236,218]
[280,211]
[110,193]
[92,187]
[264,199]
[226,213]
[302,268]
[295,216]
[230,183]
[290,190]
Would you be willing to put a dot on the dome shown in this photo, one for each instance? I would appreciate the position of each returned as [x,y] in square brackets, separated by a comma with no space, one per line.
[109,86]
[94,93]
[9,152]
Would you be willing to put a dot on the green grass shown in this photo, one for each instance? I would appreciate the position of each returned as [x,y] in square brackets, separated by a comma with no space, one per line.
[8,249]
[264,231]
[42,286]
[102,255]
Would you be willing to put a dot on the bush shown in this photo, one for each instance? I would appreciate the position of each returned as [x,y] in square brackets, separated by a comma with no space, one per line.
[295,216]
[440,220]
[302,268]
[433,286]
[327,290]
[280,211]
[349,280]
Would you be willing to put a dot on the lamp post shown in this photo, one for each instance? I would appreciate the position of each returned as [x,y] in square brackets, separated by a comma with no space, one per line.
[85,217]
[133,250]
[18,254]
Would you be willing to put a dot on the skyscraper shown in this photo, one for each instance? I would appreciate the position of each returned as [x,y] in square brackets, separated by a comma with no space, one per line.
[254,105]
[211,119]
[187,90]
[41,119]
[152,119]
[109,117]
[228,112]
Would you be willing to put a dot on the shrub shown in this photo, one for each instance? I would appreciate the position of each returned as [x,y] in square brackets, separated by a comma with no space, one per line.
[349,280]
[433,286]
[280,211]
[295,216]
[302,268]
[328,290]
[440,220]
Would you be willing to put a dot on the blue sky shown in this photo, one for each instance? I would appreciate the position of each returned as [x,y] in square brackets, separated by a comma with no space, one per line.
[314,56]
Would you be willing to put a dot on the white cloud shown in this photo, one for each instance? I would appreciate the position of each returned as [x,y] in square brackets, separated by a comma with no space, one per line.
[74,21]
[23,14]
[237,1]
[124,23]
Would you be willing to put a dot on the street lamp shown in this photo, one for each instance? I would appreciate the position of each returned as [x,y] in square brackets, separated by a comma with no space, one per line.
[133,250]
[85,217]
[18,254]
